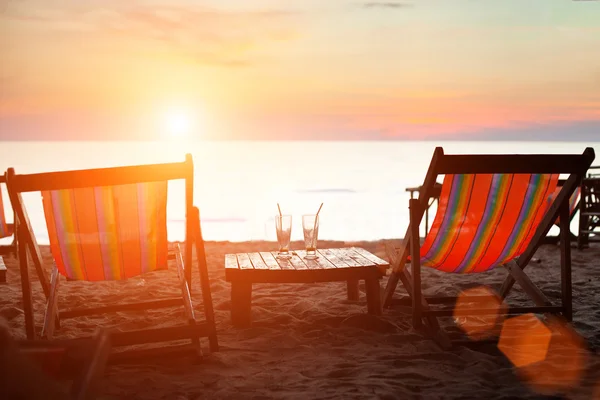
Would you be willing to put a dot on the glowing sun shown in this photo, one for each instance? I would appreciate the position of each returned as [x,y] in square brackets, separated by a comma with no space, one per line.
[177,123]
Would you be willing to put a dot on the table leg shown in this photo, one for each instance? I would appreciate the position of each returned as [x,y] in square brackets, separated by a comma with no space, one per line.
[353,293]
[241,307]
[373,296]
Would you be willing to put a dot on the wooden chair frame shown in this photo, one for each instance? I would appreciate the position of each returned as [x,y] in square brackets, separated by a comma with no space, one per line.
[12,248]
[574,238]
[18,184]
[423,315]
[7,249]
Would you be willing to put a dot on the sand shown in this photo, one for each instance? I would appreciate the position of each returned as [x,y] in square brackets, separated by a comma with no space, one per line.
[307,341]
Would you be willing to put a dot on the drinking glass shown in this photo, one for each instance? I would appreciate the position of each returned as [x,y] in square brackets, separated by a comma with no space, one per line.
[283,225]
[310,225]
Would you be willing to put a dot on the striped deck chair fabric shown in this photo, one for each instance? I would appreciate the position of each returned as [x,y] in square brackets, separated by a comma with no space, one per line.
[109,232]
[486,220]
[5,231]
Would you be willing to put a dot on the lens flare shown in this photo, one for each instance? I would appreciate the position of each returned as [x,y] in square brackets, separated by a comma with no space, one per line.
[478,327]
[564,364]
[524,340]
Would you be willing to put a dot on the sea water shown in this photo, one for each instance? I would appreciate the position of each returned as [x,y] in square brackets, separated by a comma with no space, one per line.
[237,184]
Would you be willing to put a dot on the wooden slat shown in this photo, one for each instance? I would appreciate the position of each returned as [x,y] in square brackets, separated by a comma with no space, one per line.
[244,261]
[51,309]
[526,284]
[298,262]
[301,276]
[257,261]
[191,213]
[145,305]
[231,261]
[371,257]
[185,291]
[160,334]
[565,263]
[204,280]
[101,177]
[26,285]
[269,260]
[516,163]
[283,262]
[317,263]
[352,258]
[27,238]
[333,258]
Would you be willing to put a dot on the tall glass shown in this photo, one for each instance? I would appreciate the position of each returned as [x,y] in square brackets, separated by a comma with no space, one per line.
[283,225]
[310,225]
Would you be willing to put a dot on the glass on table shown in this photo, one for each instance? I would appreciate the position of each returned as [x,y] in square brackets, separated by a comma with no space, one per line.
[283,226]
[310,226]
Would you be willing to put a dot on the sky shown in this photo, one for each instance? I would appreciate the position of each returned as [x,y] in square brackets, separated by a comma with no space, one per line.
[300,69]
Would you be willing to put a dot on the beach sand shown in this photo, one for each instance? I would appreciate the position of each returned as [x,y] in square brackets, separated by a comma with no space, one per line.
[307,341]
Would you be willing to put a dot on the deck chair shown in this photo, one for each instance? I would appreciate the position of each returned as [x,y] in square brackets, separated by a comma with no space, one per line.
[494,210]
[110,224]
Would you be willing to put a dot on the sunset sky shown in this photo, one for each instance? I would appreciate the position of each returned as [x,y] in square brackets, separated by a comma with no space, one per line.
[300,69]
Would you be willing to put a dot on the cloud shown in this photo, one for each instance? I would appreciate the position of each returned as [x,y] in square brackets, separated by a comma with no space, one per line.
[386,4]
[208,35]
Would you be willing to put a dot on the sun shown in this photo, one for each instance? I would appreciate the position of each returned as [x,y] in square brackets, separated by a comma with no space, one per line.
[178,123]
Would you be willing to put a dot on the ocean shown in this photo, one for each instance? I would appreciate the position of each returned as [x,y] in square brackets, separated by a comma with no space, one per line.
[238,184]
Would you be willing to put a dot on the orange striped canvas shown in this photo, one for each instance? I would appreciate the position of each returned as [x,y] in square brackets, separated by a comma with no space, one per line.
[485,220]
[108,233]
[4,231]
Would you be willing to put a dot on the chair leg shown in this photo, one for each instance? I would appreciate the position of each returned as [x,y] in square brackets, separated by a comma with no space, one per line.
[51,306]
[187,299]
[26,288]
[392,283]
[209,312]
[415,253]
[565,265]
[431,324]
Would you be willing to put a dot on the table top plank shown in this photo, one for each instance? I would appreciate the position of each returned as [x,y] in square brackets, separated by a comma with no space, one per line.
[244,261]
[369,256]
[231,261]
[269,260]
[257,261]
[317,263]
[332,258]
[298,262]
[283,262]
[351,258]
[330,266]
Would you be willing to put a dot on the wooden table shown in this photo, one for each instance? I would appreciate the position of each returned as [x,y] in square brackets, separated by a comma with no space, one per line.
[333,265]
